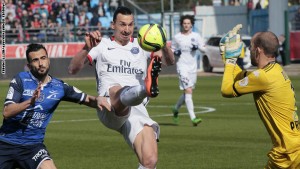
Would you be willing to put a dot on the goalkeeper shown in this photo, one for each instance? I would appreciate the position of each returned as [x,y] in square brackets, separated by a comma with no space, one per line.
[273,93]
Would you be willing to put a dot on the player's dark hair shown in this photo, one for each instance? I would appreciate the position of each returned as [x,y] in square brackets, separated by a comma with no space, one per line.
[190,17]
[122,10]
[33,47]
[267,41]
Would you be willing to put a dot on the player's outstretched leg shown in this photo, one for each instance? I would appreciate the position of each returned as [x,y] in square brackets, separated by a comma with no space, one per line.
[151,80]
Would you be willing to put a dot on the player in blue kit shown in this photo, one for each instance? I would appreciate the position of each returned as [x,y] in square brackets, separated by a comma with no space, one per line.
[29,105]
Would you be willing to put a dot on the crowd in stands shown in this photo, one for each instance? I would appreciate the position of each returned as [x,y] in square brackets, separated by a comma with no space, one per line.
[56,20]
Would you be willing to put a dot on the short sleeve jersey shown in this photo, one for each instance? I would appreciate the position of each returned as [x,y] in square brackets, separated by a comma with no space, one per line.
[187,60]
[117,64]
[29,126]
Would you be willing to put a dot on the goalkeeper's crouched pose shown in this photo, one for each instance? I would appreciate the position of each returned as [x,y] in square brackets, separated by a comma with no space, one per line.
[272,90]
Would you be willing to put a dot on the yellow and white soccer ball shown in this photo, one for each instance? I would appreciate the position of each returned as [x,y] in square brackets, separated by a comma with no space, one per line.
[152,37]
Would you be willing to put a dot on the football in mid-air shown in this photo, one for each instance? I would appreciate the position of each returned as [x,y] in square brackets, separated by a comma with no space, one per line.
[152,37]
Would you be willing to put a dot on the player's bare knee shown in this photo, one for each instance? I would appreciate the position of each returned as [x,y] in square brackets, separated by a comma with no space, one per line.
[150,161]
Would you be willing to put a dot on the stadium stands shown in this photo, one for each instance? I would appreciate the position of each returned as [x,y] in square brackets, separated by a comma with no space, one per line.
[54,21]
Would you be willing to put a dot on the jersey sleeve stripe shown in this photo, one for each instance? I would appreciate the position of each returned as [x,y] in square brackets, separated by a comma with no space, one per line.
[234,89]
[90,59]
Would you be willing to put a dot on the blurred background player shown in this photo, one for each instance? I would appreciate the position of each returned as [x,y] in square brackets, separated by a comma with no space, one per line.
[121,66]
[184,45]
[273,93]
[29,105]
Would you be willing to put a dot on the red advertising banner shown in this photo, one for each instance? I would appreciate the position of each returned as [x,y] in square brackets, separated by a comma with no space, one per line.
[295,46]
[55,50]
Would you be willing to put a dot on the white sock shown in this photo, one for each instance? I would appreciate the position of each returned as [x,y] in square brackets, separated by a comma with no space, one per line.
[180,102]
[133,95]
[142,167]
[190,105]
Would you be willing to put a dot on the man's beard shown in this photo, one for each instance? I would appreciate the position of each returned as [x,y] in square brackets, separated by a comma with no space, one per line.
[38,75]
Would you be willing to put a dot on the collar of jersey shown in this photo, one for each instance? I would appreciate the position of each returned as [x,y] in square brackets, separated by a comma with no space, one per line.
[112,38]
[37,81]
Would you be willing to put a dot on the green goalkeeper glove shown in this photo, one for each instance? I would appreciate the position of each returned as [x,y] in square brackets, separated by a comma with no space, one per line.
[231,45]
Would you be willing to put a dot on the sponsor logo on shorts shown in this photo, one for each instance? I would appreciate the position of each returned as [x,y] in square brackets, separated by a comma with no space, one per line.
[41,154]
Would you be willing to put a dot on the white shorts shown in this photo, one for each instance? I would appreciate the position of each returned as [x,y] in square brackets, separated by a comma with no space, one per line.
[187,79]
[129,125]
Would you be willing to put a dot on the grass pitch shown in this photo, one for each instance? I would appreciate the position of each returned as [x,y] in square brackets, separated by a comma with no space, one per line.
[231,135]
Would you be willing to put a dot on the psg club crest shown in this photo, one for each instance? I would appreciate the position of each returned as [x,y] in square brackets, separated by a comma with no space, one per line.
[193,40]
[135,50]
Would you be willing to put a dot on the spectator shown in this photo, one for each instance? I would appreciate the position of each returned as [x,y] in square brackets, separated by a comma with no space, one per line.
[36,24]
[237,3]
[258,5]
[82,17]
[51,31]
[71,16]
[297,20]
[113,5]
[249,6]
[84,7]
[60,35]
[56,7]
[25,20]
[19,8]
[52,16]
[94,20]
[10,8]
[99,9]
[43,10]
[41,36]
[36,14]
[281,40]
[47,5]
[75,6]
[63,16]
[10,18]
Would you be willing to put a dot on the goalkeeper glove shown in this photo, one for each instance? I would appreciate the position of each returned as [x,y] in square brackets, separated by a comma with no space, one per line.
[177,53]
[231,45]
[194,47]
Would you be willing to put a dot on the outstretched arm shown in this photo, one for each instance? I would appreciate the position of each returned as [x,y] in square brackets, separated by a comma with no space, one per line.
[92,39]
[97,102]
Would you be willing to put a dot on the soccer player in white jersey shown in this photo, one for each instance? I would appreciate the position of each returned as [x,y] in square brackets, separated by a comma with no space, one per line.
[121,66]
[184,45]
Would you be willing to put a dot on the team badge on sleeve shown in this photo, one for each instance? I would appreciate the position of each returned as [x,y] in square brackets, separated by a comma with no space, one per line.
[244,82]
[10,93]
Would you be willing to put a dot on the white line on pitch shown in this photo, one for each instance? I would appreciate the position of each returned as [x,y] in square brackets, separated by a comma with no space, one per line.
[206,110]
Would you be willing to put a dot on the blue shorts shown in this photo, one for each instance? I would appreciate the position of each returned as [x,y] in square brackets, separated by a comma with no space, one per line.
[27,157]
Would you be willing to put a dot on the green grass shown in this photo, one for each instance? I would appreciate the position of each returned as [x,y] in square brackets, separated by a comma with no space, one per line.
[231,137]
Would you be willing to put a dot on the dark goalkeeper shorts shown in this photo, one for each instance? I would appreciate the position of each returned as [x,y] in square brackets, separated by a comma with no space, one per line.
[24,157]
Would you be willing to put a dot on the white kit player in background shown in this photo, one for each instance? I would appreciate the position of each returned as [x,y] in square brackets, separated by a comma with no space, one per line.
[124,82]
[184,45]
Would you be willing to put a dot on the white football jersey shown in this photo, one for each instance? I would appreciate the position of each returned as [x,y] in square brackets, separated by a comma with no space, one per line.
[187,60]
[117,64]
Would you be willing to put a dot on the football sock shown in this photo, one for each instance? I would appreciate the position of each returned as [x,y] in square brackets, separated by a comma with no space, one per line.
[180,102]
[142,167]
[133,95]
[190,105]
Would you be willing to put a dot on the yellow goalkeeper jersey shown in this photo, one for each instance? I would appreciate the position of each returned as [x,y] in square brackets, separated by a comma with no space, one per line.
[274,98]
